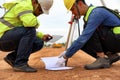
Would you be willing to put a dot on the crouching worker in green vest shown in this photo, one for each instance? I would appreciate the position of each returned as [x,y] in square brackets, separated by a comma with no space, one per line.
[18,31]
[100,37]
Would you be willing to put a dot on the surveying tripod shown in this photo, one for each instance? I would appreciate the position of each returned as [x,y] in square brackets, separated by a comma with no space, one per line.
[72,23]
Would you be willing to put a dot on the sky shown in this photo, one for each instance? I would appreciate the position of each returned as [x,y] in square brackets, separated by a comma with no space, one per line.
[56,23]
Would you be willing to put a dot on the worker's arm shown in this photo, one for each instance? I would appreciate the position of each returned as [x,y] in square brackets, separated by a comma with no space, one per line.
[94,20]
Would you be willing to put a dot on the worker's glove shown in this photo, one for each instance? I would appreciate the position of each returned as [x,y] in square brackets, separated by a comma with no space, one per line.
[62,54]
[61,62]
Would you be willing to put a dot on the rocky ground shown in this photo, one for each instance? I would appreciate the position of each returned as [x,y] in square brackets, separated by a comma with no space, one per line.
[77,73]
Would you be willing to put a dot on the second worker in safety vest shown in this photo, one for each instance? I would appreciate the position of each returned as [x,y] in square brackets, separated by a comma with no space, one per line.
[100,37]
[18,31]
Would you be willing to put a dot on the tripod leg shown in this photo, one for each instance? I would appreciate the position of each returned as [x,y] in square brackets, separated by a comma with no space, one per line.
[70,36]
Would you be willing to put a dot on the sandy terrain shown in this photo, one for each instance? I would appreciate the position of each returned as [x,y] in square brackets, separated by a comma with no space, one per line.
[77,73]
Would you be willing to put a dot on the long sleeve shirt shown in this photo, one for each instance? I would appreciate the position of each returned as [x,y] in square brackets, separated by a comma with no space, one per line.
[97,17]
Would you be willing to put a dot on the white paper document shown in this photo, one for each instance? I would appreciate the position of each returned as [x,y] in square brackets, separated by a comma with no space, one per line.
[55,38]
[50,64]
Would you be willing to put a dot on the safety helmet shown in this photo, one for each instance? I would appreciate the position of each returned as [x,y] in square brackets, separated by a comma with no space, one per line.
[45,5]
[69,3]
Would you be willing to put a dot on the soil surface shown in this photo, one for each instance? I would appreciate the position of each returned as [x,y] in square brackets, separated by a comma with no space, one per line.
[77,73]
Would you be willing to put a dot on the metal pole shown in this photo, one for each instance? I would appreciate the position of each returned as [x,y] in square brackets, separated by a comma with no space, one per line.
[70,34]
[71,30]
[103,3]
[78,27]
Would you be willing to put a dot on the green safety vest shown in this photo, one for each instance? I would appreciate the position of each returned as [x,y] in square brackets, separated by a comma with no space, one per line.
[19,13]
[116,29]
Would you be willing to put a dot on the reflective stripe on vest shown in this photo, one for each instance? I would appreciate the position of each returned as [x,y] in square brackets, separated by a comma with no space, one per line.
[11,25]
[6,23]
[88,12]
[116,29]
[24,12]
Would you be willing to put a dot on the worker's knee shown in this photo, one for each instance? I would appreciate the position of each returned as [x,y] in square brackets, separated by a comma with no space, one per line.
[37,45]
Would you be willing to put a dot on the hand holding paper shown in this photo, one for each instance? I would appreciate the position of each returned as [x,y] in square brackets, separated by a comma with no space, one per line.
[62,54]
[55,63]
[61,62]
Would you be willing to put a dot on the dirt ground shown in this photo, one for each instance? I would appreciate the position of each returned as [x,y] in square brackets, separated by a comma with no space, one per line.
[77,73]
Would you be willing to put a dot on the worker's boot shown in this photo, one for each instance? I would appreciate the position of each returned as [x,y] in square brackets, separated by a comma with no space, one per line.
[113,58]
[10,58]
[98,64]
[24,68]
[9,61]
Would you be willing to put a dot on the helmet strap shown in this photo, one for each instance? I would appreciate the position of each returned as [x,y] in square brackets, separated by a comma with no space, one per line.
[80,0]
[76,5]
[37,1]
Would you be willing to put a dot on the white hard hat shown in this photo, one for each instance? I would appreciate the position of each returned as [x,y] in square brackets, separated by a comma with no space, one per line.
[45,5]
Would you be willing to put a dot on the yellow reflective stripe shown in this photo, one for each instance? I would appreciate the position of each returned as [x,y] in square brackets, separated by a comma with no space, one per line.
[39,35]
[6,23]
[116,30]
[88,12]
[24,12]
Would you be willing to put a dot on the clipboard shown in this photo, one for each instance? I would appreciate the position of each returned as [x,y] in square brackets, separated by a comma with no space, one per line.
[55,38]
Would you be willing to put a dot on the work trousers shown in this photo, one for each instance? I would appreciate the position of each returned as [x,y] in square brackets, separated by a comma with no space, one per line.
[103,40]
[21,41]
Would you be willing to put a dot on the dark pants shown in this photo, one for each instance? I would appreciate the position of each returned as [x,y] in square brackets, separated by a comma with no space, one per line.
[103,40]
[22,42]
